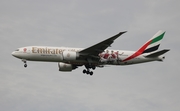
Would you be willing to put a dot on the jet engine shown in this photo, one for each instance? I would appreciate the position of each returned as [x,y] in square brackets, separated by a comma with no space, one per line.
[66,67]
[70,55]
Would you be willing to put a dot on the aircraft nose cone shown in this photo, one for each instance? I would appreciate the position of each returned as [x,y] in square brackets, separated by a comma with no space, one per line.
[14,54]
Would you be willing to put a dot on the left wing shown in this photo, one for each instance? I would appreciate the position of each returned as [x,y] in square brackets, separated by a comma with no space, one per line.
[94,50]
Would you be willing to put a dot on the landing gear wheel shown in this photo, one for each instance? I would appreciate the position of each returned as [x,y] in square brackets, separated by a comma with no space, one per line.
[91,73]
[84,71]
[87,72]
[25,65]
[93,67]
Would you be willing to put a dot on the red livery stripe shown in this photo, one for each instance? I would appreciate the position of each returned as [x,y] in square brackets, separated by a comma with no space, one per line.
[139,52]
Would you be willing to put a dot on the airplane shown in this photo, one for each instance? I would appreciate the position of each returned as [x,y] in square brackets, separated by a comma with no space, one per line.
[97,55]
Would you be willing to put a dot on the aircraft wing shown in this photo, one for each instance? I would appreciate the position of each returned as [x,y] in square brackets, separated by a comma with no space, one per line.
[94,50]
[158,53]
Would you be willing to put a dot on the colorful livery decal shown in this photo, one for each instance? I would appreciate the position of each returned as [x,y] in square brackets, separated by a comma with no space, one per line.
[150,46]
[110,57]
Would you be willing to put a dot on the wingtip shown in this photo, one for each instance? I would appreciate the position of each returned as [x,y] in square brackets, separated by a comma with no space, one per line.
[167,50]
[123,32]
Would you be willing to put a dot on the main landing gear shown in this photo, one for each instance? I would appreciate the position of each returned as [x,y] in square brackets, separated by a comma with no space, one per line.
[25,63]
[88,70]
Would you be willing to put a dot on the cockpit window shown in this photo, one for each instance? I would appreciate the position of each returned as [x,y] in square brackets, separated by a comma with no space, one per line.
[17,50]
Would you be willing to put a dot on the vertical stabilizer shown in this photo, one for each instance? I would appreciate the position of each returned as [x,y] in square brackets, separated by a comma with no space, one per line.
[154,43]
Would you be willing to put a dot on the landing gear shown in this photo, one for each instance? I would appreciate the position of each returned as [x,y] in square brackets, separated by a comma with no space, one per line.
[84,71]
[87,70]
[25,63]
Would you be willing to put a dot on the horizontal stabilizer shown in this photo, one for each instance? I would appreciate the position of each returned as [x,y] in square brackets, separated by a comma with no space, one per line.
[156,54]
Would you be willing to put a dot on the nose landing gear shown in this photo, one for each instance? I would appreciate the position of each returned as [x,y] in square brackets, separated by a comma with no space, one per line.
[25,63]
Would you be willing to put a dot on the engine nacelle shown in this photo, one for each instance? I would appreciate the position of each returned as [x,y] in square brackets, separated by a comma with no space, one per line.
[66,67]
[70,55]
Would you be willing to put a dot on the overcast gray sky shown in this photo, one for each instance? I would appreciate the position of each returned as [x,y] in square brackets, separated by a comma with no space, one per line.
[81,23]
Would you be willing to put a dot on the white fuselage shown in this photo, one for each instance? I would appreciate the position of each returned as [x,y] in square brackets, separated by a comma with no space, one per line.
[56,54]
[94,56]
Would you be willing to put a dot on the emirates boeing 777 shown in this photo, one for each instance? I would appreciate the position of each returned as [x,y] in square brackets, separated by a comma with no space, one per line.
[94,56]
